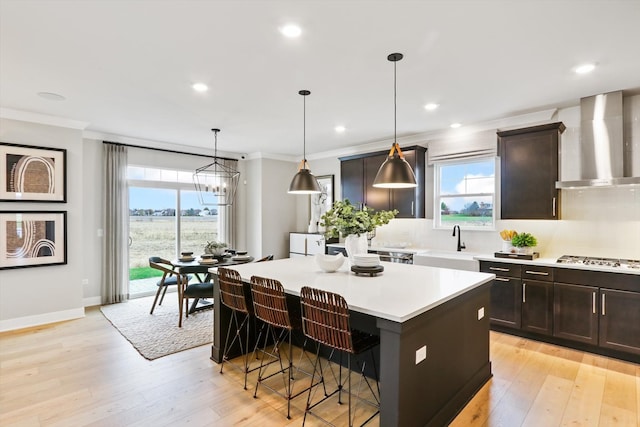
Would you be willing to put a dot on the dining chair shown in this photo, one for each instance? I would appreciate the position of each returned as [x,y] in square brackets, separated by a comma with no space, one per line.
[326,320]
[169,278]
[195,291]
[270,306]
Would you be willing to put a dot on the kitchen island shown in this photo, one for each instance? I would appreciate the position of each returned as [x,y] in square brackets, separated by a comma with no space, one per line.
[433,325]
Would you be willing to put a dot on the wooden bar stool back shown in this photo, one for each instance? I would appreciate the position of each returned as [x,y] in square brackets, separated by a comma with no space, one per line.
[232,295]
[270,306]
[326,319]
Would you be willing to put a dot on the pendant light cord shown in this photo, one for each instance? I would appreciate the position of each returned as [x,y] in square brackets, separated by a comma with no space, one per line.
[395,107]
[304,131]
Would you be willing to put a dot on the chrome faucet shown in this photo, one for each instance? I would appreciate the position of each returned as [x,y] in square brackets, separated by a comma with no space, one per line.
[460,246]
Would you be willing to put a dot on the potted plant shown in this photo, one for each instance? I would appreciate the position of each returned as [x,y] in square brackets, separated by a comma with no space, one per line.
[344,219]
[215,248]
[525,242]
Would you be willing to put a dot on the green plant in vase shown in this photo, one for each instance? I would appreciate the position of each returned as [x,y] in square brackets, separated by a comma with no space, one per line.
[525,242]
[215,248]
[346,220]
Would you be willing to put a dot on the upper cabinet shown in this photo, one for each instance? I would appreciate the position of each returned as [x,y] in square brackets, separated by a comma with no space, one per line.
[358,172]
[529,171]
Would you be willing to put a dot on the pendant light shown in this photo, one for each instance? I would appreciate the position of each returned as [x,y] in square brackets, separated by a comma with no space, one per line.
[303,181]
[216,183]
[395,172]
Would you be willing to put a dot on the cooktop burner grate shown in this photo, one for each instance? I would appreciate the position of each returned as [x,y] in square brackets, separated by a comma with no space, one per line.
[597,261]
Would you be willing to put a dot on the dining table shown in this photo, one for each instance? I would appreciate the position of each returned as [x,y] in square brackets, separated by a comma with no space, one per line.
[201,270]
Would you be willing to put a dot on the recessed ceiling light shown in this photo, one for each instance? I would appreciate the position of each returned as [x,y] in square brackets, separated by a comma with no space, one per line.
[291,30]
[200,87]
[585,68]
[340,129]
[431,106]
[51,96]
[455,125]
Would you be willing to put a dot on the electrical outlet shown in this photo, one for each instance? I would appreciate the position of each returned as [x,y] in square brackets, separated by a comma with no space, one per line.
[85,281]
[480,313]
[100,232]
[421,354]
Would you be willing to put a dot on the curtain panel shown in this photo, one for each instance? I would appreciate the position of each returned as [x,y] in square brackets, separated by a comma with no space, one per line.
[115,271]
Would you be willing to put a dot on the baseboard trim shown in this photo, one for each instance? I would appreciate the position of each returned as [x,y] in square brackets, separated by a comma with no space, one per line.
[92,301]
[40,319]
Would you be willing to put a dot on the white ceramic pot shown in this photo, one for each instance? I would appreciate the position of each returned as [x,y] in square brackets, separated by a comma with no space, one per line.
[329,263]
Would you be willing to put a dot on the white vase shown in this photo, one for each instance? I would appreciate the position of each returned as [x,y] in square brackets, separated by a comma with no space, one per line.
[355,244]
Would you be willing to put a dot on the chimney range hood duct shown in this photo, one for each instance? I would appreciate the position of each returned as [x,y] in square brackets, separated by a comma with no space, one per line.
[601,143]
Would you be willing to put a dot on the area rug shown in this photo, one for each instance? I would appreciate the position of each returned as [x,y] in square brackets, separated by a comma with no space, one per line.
[157,335]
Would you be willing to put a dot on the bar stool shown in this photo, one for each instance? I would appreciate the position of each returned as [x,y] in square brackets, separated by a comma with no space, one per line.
[270,306]
[325,319]
[232,295]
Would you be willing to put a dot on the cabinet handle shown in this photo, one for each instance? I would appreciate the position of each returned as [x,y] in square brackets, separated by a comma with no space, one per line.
[594,303]
[539,273]
[524,292]
[412,208]
[305,246]
[603,305]
[554,206]
[502,279]
[498,269]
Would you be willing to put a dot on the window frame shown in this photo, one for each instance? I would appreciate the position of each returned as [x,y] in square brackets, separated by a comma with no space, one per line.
[438,198]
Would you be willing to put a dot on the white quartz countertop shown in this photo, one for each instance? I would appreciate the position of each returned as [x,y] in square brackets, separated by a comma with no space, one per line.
[405,250]
[400,293]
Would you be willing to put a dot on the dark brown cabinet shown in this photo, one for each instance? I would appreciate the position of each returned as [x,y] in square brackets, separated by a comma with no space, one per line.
[620,320]
[357,174]
[537,306]
[575,312]
[586,309]
[506,293]
[529,171]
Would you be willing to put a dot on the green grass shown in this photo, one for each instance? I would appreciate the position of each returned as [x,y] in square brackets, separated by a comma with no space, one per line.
[478,221]
[143,273]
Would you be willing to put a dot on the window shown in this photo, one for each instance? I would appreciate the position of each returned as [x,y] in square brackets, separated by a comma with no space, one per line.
[165,218]
[465,194]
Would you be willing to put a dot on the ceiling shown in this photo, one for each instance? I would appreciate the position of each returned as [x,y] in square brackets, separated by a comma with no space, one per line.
[126,67]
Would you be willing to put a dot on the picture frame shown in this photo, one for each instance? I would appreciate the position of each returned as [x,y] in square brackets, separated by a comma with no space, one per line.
[32,174]
[32,238]
[321,203]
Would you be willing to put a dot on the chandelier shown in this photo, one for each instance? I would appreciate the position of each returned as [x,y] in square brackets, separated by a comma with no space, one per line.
[216,183]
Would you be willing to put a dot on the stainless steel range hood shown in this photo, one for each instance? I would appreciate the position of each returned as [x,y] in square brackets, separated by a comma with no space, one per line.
[601,143]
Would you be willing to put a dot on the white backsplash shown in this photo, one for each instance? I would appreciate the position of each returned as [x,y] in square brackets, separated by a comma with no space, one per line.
[601,222]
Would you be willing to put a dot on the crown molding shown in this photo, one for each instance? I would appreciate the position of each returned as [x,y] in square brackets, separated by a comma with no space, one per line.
[147,143]
[44,119]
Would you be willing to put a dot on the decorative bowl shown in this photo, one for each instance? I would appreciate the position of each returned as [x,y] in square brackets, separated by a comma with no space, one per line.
[241,252]
[329,263]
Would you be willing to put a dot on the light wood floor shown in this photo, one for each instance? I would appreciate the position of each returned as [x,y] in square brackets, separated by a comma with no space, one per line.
[84,373]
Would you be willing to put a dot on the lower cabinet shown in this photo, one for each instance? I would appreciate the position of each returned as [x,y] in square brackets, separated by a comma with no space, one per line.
[575,312]
[568,306]
[620,320]
[506,301]
[537,306]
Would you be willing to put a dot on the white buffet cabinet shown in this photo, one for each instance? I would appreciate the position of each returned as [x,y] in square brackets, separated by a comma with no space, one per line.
[305,244]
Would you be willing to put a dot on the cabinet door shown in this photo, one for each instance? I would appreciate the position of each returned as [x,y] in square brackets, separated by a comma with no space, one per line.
[315,244]
[529,171]
[537,306]
[575,312]
[352,181]
[620,320]
[506,302]
[375,198]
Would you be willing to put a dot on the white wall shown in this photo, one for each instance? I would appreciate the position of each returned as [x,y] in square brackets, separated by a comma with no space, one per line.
[37,295]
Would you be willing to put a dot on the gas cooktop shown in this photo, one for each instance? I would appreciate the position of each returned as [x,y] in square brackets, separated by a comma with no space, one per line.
[603,262]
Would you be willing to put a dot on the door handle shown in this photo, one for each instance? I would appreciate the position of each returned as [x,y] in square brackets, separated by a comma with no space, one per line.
[502,279]
[554,206]
[498,269]
[539,273]
[603,305]
[524,292]
[594,302]
[412,202]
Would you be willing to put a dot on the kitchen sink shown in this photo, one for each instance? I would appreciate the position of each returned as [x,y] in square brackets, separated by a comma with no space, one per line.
[447,259]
